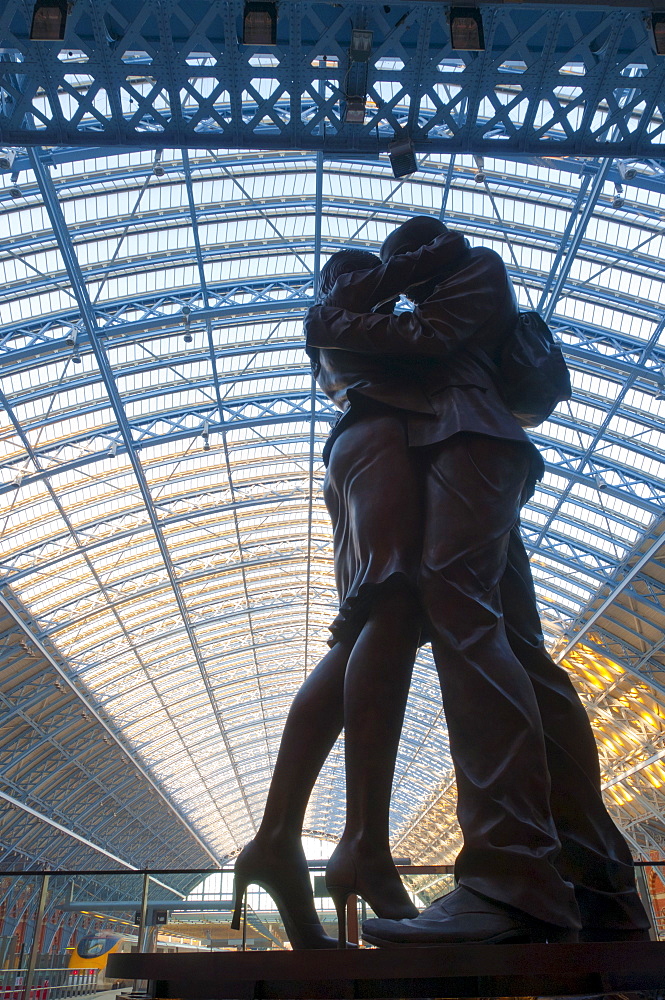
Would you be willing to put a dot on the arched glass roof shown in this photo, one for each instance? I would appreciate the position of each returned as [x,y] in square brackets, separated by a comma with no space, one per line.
[163,525]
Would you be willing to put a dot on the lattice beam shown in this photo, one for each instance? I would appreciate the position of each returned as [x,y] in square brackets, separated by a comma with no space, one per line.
[554,78]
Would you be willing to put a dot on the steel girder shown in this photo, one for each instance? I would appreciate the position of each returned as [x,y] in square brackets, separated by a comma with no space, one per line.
[553,78]
[58,760]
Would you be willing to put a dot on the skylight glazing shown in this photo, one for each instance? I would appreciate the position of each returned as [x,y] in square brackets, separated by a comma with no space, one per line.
[160,494]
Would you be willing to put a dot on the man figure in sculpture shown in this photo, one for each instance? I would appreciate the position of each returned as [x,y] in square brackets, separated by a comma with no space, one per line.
[541,857]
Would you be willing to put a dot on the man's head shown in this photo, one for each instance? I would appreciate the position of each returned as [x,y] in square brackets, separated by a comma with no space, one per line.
[411,235]
[341,263]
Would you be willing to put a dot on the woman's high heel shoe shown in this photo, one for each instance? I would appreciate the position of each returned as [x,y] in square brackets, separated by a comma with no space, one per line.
[382,889]
[287,881]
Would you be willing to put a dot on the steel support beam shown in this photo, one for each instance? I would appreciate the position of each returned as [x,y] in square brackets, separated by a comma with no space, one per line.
[77,280]
[174,75]
[4,603]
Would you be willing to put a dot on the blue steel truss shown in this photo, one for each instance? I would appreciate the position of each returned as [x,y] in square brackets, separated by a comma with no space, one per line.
[554,79]
[70,793]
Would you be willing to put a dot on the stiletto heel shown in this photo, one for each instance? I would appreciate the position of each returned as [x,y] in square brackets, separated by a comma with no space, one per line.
[286,879]
[239,894]
[384,892]
[339,898]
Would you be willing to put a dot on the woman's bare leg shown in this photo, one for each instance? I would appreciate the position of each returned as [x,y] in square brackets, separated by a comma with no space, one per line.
[376,687]
[275,857]
[313,724]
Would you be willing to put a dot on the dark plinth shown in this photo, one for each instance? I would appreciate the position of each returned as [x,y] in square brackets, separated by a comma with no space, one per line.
[449,971]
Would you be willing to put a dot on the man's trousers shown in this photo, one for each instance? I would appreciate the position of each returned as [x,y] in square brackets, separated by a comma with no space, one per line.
[524,755]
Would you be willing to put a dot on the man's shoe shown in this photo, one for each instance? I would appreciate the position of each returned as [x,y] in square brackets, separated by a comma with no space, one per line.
[464,917]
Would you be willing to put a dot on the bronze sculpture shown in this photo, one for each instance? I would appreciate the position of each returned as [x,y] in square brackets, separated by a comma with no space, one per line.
[515,882]
[418,373]
[362,684]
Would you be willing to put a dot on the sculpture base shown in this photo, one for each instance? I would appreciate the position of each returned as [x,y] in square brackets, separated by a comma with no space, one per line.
[466,970]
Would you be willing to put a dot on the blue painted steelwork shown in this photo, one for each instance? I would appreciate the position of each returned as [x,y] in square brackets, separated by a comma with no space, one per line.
[552,80]
[239,532]
[87,311]
[63,763]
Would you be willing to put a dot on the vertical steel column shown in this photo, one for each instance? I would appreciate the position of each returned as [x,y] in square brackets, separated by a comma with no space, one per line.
[143,913]
[39,917]
[318,222]
[575,243]
[140,936]
[446,190]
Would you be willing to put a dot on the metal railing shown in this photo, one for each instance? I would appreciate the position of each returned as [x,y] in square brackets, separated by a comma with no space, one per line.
[137,909]
[47,984]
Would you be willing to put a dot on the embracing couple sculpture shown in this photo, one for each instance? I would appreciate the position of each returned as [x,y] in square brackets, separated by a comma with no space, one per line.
[427,470]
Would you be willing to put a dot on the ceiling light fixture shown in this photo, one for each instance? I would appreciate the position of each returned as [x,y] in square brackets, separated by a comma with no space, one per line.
[15,191]
[7,157]
[355,88]
[466,29]
[402,157]
[157,168]
[186,312]
[361,45]
[259,23]
[49,18]
[626,170]
[354,112]
[480,174]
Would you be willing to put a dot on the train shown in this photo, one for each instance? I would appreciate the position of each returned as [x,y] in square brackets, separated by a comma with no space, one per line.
[87,961]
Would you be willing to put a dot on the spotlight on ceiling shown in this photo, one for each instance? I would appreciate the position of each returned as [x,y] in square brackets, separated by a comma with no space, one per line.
[361,45]
[7,157]
[626,170]
[15,191]
[658,28]
[157,168]
[618,199]
[259,23]
[48,21]
[402,157]
[466,29]
[480,174]
[187,312]
[355,110]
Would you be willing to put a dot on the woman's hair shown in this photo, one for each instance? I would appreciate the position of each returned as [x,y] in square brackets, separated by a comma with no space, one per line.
[341,263]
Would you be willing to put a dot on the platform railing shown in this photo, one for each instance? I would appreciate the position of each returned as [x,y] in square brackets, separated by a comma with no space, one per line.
[45,917]
[47,984]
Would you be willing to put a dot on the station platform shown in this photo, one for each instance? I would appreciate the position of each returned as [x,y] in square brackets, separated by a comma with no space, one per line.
[467,970]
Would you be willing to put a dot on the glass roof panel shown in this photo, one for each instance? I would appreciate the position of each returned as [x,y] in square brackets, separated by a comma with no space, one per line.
[160,494]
